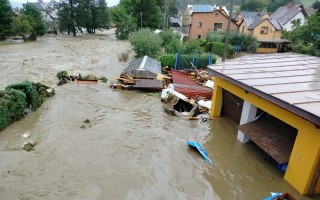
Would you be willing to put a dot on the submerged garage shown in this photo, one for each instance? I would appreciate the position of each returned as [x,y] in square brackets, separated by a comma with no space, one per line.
[287,88]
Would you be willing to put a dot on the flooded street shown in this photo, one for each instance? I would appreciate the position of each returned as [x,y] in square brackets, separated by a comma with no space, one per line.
[131,149]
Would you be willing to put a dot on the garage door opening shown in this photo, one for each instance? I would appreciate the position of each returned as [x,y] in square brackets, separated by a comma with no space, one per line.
[273,136]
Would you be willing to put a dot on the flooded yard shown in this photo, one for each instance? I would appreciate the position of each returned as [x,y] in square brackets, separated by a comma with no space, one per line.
[131,149]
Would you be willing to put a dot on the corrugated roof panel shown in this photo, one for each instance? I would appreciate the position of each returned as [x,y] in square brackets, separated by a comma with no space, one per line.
[153,66]
[180,77]
[144,63]
[193,91]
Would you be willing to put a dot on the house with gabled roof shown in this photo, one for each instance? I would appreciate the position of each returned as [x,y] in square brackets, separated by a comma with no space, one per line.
[244,19]
[267,29]
[284,16]
[50,16]
[206,18]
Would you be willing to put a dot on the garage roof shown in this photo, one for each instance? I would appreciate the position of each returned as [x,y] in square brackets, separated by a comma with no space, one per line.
[289,80]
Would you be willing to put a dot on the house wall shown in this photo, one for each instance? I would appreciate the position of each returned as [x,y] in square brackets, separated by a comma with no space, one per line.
[305,155]
[243,28]
[271,34]
[208,20]
[288,26]
[239,19]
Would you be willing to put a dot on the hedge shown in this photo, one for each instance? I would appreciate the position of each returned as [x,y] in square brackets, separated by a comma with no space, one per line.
[218,48]
[16,97]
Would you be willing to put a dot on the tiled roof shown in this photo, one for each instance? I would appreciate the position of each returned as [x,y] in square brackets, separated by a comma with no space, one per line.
[252,15]
[255,23]
[283,14]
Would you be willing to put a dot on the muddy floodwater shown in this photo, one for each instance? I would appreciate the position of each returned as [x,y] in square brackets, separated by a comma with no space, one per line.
[131,149]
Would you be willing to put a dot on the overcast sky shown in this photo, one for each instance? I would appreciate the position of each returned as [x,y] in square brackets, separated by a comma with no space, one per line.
[110,2]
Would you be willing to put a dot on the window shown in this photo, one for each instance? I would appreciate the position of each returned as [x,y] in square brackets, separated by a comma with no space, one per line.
[217,26]
[199,24]
[268,45]
[198,36]
[264,30]
[216,14]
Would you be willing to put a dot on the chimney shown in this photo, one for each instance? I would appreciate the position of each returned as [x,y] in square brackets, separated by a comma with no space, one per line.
[220,8]
[289,5]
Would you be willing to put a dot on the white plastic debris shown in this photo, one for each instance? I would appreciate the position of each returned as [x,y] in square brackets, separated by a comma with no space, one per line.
[206,104]
[209,84]
[26,135]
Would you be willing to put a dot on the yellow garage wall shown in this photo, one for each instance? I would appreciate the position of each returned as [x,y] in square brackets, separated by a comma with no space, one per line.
[305,154]
[267,50]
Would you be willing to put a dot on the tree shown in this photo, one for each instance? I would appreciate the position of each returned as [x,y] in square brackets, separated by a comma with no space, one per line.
[21,26]
[171,41]
[34,17]
[191,46]
[253,5]
[146,42]
[102,19]
[316,5]
[273,5]
[66,14]
[306,38]
[5,18]
[125,23]
[151,14]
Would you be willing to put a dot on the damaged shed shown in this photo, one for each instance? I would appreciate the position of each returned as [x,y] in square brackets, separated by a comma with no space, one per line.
[144,67]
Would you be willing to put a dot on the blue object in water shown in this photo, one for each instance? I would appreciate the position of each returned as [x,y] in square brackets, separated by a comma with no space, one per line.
[200,149]
[274,195]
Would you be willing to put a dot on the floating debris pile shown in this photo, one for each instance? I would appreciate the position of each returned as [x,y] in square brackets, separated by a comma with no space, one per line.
[65,78]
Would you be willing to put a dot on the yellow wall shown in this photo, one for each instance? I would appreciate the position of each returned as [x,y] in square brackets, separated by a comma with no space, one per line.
[272,33]
[306,151]
[267,50]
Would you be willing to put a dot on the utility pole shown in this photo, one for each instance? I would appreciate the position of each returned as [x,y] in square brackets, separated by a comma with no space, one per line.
[227,33]
[165,15]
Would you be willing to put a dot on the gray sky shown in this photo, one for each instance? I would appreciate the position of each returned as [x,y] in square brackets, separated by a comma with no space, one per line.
[110,2]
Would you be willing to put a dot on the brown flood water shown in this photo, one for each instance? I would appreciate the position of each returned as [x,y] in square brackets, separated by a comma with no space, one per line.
[131,149]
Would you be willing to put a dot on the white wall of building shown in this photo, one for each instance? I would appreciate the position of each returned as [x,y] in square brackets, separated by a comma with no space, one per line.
[288,25]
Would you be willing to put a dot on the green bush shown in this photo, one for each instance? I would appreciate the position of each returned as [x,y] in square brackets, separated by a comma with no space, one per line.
[191,46]
[12,105]
[16,97]
[246,41]
[33,98]
[146,42]
[214,36]
[304,49]
[62,74]
[168,60]
[218,49]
